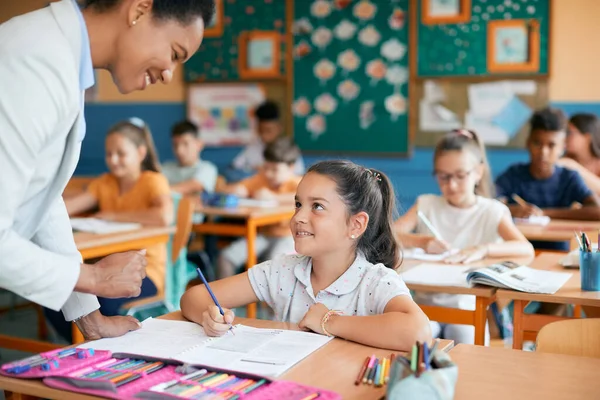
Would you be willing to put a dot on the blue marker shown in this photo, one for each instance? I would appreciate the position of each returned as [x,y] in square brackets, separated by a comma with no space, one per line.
[201,275]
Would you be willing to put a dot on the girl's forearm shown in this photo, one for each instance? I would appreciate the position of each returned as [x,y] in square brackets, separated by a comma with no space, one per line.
[511,248]
[194,302]
[391,330]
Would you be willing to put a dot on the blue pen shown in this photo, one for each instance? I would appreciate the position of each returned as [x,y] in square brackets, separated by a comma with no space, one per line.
[203,279]
[426,355]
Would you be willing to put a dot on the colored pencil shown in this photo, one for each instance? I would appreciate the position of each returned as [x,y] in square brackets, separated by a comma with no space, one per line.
[214,298]
[311,396]
[426,355]
[362,371]
[433,349]
[369,368]
[413,358]
[373,372]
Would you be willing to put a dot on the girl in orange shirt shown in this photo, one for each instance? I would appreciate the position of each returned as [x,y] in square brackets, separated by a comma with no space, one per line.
[133,191]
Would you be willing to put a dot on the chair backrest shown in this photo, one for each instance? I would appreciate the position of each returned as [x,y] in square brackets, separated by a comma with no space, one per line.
[185,212]
[577,337]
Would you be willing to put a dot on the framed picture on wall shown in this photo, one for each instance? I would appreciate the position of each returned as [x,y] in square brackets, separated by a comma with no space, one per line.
[435,12]
[224,112]
[513,46]
[259,54]
[215,27]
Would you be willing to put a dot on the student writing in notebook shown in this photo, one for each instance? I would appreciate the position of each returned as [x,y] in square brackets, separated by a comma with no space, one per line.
[343,281]
[276,181]
[189,175]
[465,218]
[133,191]
[547,188]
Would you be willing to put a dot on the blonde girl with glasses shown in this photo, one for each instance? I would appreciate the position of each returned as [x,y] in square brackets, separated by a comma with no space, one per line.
[465,219]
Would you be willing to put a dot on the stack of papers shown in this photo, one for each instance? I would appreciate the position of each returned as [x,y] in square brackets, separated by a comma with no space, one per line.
[541,220]
[264,352]
[99,226]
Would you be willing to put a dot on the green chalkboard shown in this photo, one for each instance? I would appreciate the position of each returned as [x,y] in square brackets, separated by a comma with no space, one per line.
[461,49]
[345,111]
[217,58]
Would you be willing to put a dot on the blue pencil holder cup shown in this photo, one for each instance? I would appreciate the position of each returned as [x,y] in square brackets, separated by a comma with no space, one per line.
[589,267]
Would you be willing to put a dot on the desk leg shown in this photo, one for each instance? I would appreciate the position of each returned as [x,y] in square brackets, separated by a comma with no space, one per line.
[17,396]
[481,306]
[76,334]
[251,262]
[518,311]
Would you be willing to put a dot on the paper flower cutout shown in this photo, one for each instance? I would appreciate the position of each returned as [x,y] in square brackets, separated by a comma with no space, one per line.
[376,70]
[302,49]
[364,10]
[325,104]
[321,37]
[302,27]
[393,49]
[395,105]
[315,124]
[369,36]
[396,75]
[301,107]
[324,70]
[348,89]
[320,8]
[344,30]
[397,19]
[366,114]
[348,60]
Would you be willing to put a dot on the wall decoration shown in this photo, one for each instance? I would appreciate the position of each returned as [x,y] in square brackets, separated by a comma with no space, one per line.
[445,11]
[321,37]
[302,49]
[320,8]
[302,27]
[259,54]
[224,112]
[215,26]
[349,112]
[513,46]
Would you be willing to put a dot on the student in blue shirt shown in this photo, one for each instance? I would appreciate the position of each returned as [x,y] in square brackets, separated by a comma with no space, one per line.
[548,188]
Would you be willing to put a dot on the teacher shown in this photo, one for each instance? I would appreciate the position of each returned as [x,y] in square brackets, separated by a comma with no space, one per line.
[48,57]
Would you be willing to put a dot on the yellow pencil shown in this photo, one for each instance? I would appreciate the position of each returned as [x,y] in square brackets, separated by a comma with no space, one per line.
[519,200]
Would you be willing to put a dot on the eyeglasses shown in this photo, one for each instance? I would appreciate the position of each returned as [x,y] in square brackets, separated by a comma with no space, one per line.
[458,177]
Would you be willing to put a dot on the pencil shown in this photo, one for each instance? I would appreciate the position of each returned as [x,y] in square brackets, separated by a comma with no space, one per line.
[214,298]
[426,355]
[433,349]
[373,372]
[429,225]
[362,371]
[579,240]
[413,358]
[368,371]
[519,200]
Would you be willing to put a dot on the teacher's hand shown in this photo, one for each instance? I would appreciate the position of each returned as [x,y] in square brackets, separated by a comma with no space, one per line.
[115,276]
[96,326]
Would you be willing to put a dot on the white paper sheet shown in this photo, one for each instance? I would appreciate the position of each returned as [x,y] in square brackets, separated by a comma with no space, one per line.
[421,255]
[433,93]
[488,99]
[541,220]
[257,203]
[487,131]
[437,275]
[430,119]
[527,88]
[95,225]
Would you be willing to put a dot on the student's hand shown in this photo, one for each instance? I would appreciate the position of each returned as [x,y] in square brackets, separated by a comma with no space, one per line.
[264,194]
[214,323]
[526,211]
[95,325]
[436,246]
[119,275]
[313,317]
[469,255]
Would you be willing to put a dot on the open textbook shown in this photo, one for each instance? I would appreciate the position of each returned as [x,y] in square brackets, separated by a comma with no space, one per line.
[505,275]
[100,226]
[264,352]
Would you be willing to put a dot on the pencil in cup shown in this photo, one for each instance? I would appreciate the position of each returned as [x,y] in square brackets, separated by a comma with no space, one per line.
[212,295]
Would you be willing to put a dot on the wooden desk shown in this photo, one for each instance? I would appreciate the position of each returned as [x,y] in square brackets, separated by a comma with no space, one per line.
[333,367]
[495,373]
[254,217]
[484,296]
[558,230]
[526,326]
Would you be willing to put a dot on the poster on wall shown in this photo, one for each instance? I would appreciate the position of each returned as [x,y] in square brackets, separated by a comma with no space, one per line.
[224,112]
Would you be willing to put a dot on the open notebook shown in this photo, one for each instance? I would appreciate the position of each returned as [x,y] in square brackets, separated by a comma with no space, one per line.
[422,255]
[100,226]
[264,352]
[505,275]
[540,220]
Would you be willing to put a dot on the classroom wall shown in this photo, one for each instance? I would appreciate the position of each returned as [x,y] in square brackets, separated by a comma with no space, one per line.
[574,87]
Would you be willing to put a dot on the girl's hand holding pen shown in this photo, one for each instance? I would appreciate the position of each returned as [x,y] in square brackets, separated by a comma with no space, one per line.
[214,323]
[437,246]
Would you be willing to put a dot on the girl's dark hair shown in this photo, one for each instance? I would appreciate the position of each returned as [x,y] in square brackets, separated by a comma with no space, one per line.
[461,140]
[588,124]
[182,11]
[138,132]
[370,191]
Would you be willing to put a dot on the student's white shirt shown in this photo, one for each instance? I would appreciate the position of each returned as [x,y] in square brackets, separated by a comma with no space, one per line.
[364,289]
[252,157]
[462,228]
[202,171]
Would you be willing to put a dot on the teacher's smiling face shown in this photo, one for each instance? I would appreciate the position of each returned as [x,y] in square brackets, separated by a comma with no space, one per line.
[151,47]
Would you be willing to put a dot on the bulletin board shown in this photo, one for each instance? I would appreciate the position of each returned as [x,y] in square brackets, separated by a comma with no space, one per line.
[460,49]
[500,114]
[350,76]
[217,60]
